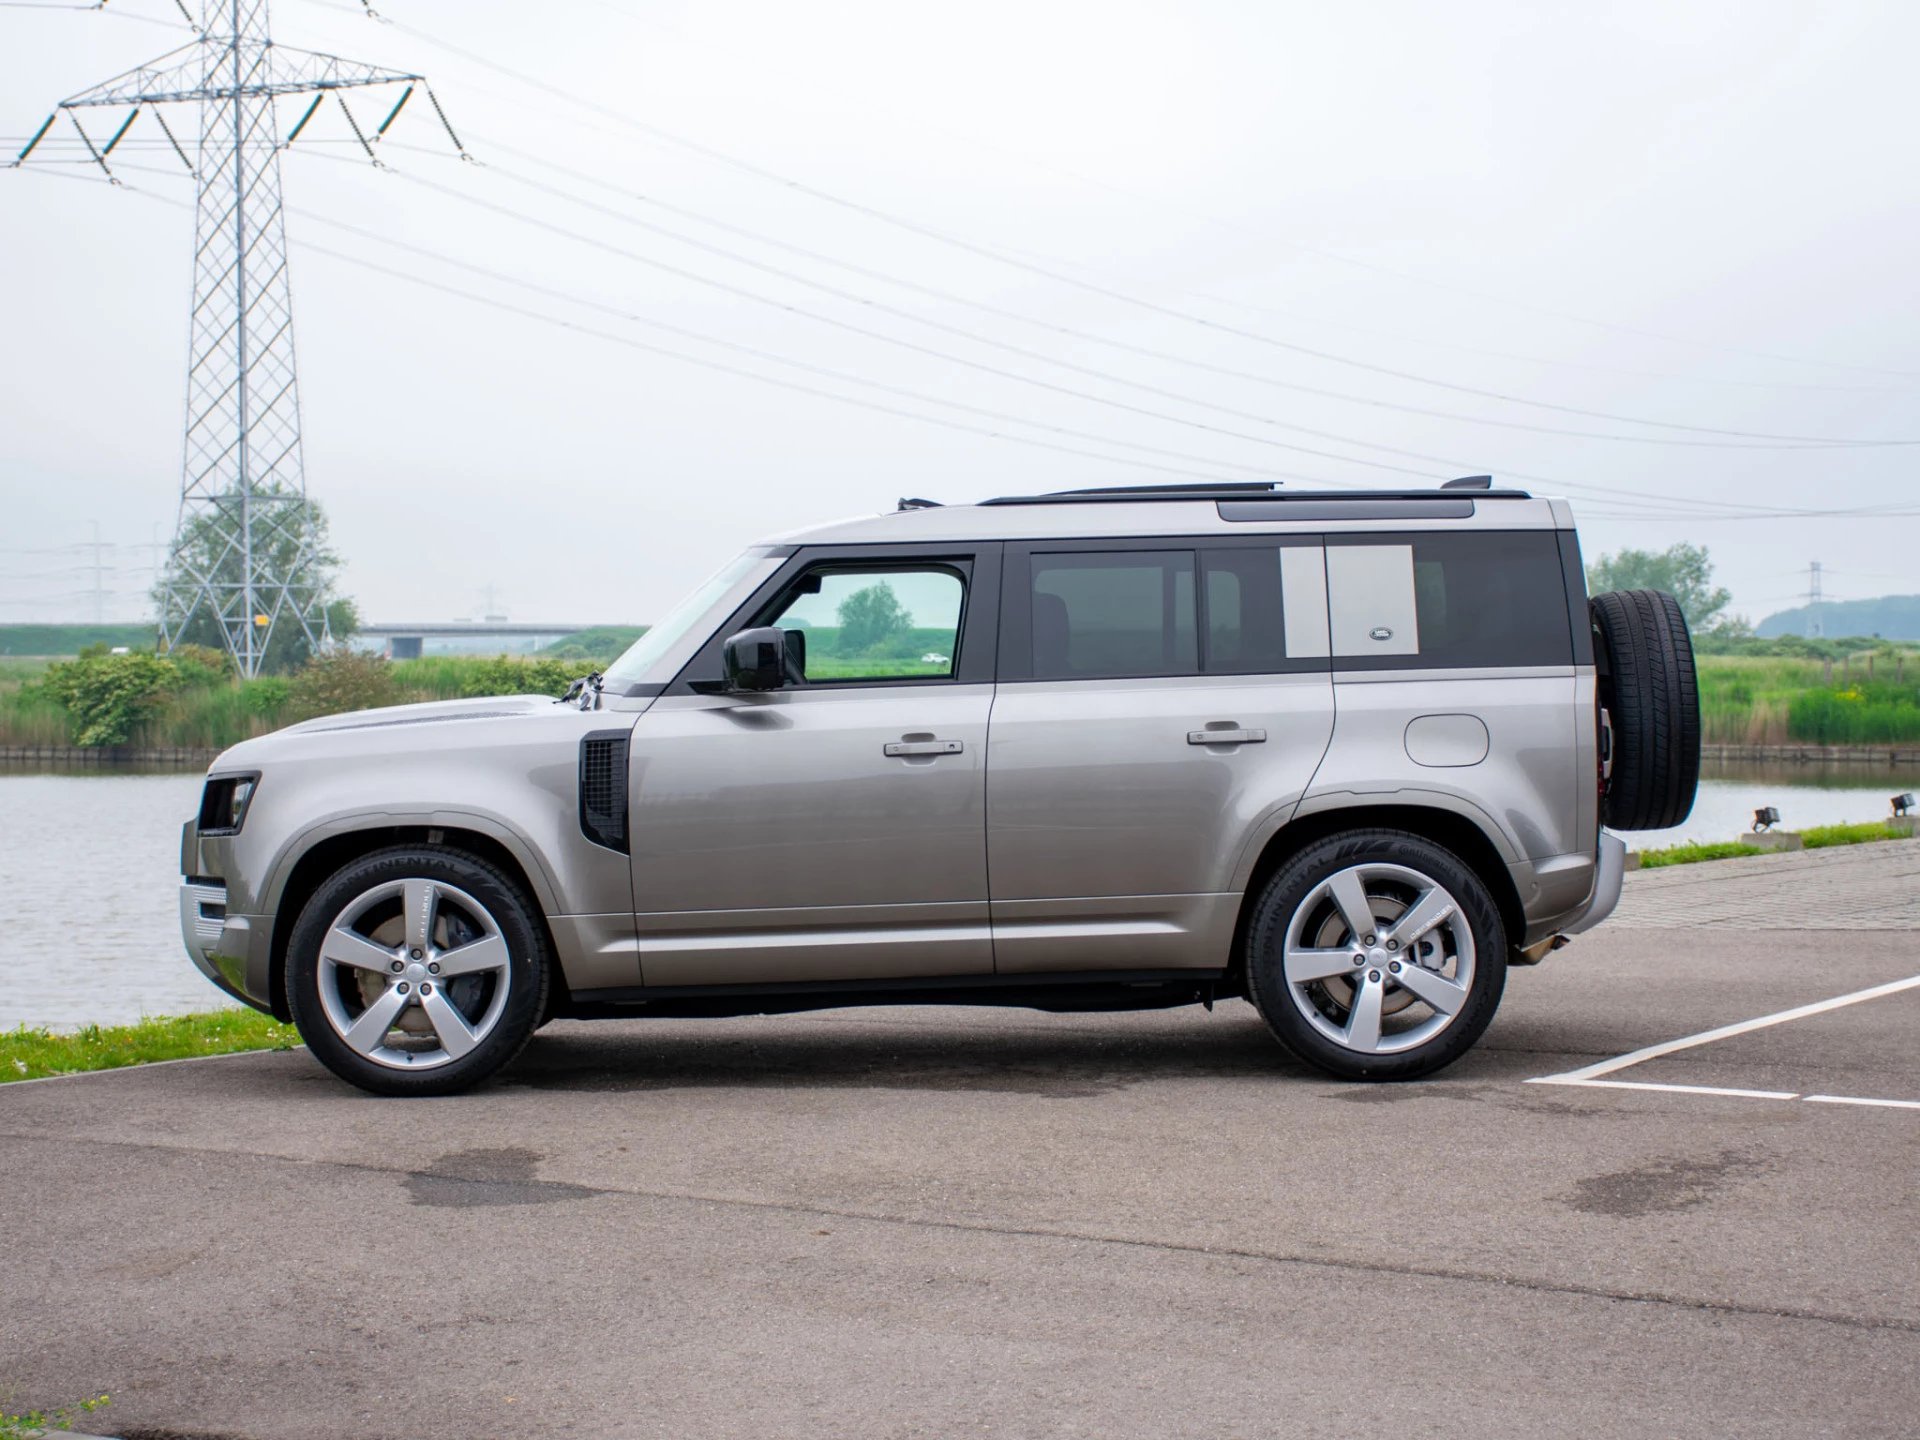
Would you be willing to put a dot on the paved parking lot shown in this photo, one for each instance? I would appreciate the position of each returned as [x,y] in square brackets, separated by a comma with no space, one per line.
[926,1222]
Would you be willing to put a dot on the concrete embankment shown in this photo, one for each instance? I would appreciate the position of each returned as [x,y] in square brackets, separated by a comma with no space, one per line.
[106,755]
[1817,754]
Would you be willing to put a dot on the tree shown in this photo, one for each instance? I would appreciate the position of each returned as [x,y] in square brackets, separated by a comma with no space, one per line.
[1683,571]
[205,548]
[871,620]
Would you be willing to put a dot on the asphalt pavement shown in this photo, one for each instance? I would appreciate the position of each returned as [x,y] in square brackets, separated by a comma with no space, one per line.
[947,1222]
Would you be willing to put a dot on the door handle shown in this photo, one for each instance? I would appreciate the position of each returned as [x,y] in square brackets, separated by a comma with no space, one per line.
[1226,737]
[922,747]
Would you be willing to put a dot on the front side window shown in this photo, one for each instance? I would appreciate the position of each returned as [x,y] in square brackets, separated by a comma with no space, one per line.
[897,623]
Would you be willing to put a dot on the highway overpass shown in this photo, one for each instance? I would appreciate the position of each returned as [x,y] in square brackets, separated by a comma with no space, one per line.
[406,642]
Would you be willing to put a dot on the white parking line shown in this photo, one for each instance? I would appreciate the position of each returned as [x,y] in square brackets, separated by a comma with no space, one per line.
[1679,1089]
[1590,1076]
[1860,1100]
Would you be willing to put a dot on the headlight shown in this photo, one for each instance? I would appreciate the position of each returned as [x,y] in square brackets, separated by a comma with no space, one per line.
[223,804]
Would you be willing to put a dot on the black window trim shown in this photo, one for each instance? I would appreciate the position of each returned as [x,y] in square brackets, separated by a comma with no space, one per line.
[1016,605]
[977,563]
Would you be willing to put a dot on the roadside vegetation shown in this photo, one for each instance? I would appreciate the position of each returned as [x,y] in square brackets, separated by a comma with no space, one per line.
[1821,837]
[1753,690]
[191,698]
[1818,837]
[30,1424]
[35,1054]
[1694,852]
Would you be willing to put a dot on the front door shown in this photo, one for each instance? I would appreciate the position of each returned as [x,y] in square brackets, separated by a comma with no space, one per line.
[1163,706]
[834,829]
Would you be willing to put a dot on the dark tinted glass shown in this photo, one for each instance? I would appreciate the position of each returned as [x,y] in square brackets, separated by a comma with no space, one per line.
[1246,626]
[1485,598]
[1128,612]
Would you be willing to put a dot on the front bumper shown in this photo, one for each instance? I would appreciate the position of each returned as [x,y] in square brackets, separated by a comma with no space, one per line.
[219,944]
[1607,880]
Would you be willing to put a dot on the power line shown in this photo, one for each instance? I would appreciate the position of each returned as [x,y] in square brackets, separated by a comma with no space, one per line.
[976,337]
[840,376]
[986,307]
[1451,465]
[1003,257]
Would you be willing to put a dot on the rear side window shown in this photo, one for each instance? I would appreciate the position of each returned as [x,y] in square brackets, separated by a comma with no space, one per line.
[1218,610]
[1114,613]
[1437,600]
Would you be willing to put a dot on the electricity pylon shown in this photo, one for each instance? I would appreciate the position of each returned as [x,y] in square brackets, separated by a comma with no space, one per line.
[244,549]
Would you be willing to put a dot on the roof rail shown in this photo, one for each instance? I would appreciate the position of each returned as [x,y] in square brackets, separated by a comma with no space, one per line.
[1250,491]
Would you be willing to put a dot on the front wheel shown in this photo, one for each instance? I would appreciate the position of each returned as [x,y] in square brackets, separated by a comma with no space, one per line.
[417,971]
[1376,955]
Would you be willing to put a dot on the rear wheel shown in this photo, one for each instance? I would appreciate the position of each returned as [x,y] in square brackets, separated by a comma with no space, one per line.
[1376,955]
[417,971]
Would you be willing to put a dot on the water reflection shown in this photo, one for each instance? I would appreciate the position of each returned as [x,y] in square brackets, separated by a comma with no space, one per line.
[1806,795]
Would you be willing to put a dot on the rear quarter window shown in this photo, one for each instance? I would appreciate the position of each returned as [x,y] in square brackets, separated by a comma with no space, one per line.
[1426,600]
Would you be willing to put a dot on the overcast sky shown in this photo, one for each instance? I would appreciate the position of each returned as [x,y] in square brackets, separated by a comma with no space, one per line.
[1702,214]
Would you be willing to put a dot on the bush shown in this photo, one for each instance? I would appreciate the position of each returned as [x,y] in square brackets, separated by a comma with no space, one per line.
[109,696]
[201,666]
[508,676]
[266,697]
[339,680]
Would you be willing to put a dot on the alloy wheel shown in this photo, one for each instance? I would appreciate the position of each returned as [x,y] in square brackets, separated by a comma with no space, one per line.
[414,974]
[1378,958]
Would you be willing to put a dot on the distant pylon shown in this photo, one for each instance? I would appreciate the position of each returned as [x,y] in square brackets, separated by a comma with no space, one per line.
[244,548]
[1815,629]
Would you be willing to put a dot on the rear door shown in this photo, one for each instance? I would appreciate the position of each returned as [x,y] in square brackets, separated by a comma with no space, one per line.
[834,829]
[1162,707]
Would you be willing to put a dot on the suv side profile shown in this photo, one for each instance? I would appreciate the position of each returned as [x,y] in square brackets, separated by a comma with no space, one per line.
[1346,754]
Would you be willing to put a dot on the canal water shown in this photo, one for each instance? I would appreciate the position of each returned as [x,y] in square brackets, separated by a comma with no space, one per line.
[89,870]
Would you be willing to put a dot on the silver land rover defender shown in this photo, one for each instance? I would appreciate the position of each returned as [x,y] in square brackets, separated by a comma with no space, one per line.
[1346,754]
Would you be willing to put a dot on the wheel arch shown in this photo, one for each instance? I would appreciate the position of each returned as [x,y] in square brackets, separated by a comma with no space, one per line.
[1449,828]
[328,853]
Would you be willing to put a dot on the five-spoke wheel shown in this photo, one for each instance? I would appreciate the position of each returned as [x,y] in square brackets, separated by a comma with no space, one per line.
[1376,955]
[417,971]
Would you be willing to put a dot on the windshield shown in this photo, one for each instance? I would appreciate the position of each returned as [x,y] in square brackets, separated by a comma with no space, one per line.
[660,639]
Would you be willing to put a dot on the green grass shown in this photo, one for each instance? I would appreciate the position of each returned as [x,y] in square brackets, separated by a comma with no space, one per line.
[33,1054]
[1694,852]
[1822,837]
[40,1422]
[27,718]
[71,639]
[1779,700]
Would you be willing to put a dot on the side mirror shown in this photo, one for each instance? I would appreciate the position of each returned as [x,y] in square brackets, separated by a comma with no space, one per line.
[756,659]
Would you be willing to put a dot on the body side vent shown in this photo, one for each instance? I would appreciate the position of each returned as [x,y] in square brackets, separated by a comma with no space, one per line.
[603,788]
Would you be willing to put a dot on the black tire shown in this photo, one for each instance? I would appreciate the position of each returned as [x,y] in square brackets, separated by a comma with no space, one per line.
[1648,687]
[1284,1006]
[525,975]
